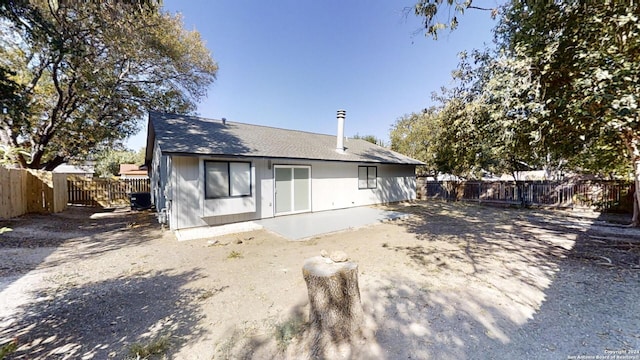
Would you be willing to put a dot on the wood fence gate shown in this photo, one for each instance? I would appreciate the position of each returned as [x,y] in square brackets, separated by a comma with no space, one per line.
[104,192]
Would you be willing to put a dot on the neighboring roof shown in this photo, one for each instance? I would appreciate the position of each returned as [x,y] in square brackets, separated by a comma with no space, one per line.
[178,134]
[131,169]
[74,169]
[527,175]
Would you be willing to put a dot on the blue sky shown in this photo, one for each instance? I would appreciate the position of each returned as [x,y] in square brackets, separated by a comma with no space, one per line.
[293,63]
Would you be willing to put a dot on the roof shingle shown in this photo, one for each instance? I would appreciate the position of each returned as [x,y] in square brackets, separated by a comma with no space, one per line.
[179,134]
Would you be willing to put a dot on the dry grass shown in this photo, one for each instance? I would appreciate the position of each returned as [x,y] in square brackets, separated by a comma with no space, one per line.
[8,348]
[154,348]
[287,331]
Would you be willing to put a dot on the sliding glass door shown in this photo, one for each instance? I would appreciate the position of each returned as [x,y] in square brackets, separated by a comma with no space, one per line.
[292,189]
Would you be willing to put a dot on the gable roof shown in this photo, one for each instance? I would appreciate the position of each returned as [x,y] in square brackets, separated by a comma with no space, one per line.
[180,134]
[86,168]
[131,169]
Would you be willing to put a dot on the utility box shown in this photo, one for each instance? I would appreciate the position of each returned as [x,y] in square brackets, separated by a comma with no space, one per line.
[140,201]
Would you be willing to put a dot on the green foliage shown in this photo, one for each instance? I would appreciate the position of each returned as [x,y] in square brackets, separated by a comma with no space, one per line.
[108,161]
[484,124]
[9,155]
[88,73]
[8,348]
[146,351]
[234,255]
[585,59]
[370,138]
[560,89]
[505,107]
[416,135]
[428,10]
[289,330]
[460,149]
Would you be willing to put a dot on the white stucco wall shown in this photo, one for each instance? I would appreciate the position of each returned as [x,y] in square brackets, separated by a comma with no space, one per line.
[334,185]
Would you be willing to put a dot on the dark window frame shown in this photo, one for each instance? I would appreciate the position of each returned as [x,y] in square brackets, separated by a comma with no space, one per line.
[228,196]
[375,178]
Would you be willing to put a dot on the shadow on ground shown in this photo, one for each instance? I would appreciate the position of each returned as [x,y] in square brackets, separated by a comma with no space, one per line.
[478,282]
[511,284]
[74,234]
[464,281]
[103,319]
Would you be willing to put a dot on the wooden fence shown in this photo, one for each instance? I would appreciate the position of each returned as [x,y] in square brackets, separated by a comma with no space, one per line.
[103,192]
[615,196]
[31,191]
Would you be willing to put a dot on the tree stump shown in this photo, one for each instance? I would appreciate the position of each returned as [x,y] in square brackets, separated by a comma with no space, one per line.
[335,313]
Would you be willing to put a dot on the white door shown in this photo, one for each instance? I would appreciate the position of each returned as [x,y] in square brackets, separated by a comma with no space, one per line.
[292,189]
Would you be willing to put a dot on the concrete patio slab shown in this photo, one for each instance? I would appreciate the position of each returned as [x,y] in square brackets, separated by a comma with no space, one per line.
[308,225]
[213,231]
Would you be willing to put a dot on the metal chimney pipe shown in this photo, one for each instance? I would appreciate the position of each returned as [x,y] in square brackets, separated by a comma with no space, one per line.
[340,138]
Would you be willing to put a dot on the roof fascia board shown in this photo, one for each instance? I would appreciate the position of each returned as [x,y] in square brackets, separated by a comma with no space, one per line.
[187,154]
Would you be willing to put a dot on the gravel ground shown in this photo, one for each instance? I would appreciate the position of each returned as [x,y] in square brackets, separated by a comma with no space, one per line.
[453,281]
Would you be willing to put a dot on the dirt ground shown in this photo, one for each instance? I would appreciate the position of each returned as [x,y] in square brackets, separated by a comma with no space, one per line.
[453,281]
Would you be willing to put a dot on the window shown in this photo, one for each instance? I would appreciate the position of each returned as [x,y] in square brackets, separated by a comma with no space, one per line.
[226,179]
[367,177]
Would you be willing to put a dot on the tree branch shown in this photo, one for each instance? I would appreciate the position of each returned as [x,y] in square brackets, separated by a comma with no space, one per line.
[480,8]
[53,163]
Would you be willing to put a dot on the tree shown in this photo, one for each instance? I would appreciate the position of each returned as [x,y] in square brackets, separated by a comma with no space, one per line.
[445,138]
[108,161]
[8,155]
[428,11]
[585,58]
[581,60]
[508,98]
[370,138]
[415,135]
[88,74]
[483,124]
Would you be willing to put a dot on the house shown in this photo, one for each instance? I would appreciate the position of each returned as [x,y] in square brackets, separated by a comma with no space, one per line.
[86,169]
[132,171]
[208,172]
[528,175]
